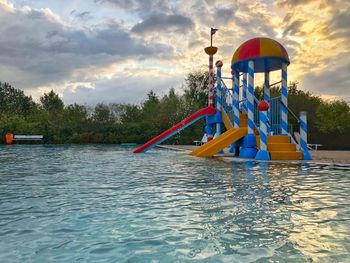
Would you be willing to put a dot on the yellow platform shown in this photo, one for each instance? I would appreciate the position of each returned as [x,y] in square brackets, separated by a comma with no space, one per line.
[221,142]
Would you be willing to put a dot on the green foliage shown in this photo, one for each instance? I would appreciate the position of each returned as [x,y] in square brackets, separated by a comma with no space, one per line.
[102,114]
[13,101]
[51,102]
[123,123]
[333,116]
[196,90]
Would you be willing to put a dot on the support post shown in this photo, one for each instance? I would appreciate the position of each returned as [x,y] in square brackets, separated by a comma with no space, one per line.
[211,81]
[218,65]
[209,128]
[250,96]
[284,98]
[235,103]
[244,93]
[249,142]
[263,154]
[267,97]
[303,136]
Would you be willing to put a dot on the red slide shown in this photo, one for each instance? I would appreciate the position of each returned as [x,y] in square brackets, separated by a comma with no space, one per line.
[175,129]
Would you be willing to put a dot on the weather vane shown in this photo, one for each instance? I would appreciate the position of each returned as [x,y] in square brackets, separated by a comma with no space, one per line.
[212,32]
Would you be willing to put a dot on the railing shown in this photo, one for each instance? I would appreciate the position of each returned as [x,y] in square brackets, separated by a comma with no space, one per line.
[226,98]
[274,112]
[275,116]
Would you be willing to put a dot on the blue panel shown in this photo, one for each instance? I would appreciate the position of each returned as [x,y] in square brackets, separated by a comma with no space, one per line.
[262,155]
[210,119]
[218,118]
[249,141]
[248,152]
[261,64]
[307,155]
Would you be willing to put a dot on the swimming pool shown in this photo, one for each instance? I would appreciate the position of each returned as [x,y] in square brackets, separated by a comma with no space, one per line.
[97,203]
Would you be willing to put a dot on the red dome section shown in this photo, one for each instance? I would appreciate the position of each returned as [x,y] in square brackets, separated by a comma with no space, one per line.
[250,49]
[267,54]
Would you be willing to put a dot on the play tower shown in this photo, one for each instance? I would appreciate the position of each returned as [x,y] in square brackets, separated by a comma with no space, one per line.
[254,129]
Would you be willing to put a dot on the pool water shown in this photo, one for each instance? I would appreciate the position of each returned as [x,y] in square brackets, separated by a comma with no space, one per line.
[97,203]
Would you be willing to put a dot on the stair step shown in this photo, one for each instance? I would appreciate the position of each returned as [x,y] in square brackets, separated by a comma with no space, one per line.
[274,139]
[278,139]
[280,143]
[286,155]
[281,147]
[243,116]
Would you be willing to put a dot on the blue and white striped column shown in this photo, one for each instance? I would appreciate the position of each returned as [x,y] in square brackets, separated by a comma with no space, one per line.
[263,154]
[303,136]
[248,149]
[284,99]
[218,65]
[244,93]
[267,97]
[236,99]
[250,97]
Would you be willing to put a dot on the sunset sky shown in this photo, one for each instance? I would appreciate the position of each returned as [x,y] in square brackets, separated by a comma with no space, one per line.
[93,51]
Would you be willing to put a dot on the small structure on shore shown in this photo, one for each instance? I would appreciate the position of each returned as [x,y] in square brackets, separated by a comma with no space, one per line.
[11,138]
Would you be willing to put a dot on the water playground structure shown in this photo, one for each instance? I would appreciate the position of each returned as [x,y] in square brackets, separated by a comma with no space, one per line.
[254,129]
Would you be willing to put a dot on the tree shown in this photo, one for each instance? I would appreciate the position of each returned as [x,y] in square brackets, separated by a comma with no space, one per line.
[102,113]
[333,117]
[13,101]
[51,102]
[130,113]
[196,90]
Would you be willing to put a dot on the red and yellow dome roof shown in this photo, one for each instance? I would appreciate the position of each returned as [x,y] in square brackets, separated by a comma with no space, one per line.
[267,54]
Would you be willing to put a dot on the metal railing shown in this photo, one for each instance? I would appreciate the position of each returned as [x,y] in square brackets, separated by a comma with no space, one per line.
[275,116]
[274,112]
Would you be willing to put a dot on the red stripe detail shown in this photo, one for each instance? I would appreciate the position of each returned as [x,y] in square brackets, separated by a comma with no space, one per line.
[211,97]
[201,112]
[250,49]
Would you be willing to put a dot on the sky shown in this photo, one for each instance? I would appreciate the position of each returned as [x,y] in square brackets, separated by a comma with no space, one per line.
[91,51]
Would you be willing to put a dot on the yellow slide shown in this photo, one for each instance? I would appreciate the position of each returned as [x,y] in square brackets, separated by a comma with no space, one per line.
[224,140]
[226,120]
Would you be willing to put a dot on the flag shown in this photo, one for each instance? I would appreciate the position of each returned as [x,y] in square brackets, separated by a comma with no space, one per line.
[213,31]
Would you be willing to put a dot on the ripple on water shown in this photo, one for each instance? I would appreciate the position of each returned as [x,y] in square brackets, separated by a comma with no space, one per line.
[104,204]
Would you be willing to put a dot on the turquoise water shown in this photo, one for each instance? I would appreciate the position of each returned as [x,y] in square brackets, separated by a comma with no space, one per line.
[105,204]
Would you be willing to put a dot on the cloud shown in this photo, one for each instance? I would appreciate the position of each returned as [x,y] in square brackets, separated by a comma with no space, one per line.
[152,44]
[82,15]
[334,82]
[119,89]
[293,3]
[294,28]
[143,8]
[163,22]
[42,50]
[317,43]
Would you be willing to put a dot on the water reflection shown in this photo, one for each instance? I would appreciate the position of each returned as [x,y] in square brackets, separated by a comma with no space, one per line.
[94,203]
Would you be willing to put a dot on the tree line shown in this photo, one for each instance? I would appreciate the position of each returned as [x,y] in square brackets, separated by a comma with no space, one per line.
[329,122]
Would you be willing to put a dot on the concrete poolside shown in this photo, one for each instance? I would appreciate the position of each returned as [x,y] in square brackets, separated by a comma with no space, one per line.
[320,156]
